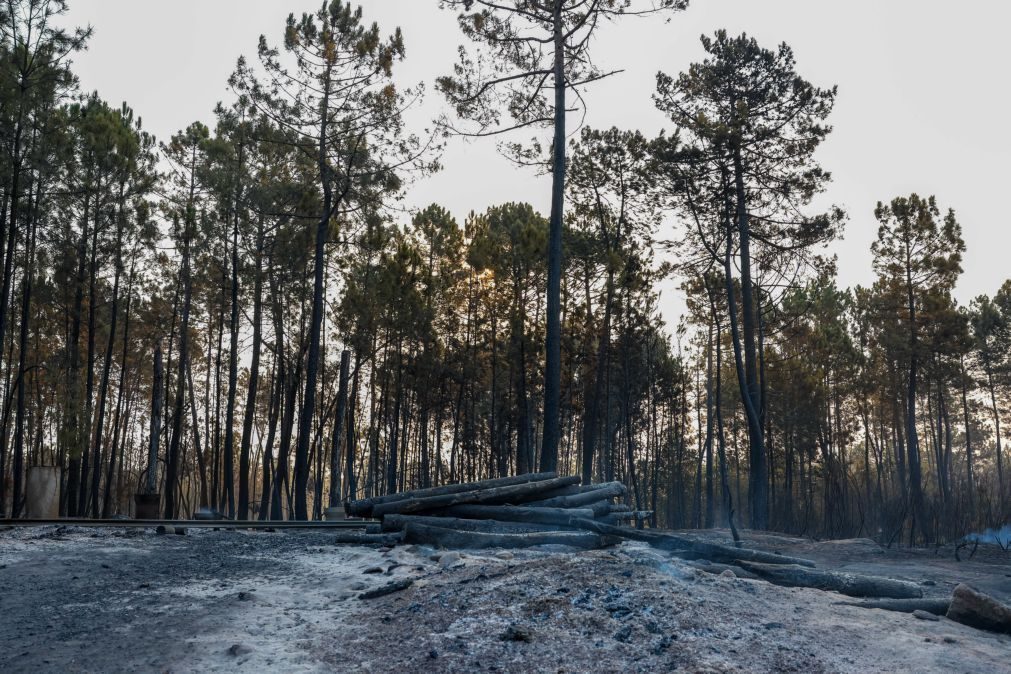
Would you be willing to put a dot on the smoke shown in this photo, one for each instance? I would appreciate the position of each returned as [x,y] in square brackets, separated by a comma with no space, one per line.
[1001,537]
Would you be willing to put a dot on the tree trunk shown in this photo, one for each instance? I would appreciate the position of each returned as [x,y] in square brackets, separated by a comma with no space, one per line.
[969,470]
[121,389]
[86,504]
[758,475]
[850,584]
[19,422]
[553,336]
[338,430]
[506,494]
[474,540]
[276,401]
[364,507]
[103,388]
[173,464]
[254,375]
[157,387]
[912,438]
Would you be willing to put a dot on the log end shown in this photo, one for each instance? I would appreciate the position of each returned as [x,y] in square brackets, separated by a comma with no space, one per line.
[976,609]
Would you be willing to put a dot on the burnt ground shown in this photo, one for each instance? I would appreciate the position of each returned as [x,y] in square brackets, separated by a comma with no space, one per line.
[82,600]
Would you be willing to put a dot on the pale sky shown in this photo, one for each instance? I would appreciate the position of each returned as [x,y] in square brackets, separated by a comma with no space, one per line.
[923,95]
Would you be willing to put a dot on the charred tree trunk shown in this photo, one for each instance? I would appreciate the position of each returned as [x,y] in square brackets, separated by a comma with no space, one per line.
[338,430]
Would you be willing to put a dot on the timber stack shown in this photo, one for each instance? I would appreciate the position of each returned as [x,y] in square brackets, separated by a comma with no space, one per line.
[510,512]
[543,508]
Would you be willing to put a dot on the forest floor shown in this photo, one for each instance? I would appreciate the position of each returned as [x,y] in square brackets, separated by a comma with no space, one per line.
[129,600]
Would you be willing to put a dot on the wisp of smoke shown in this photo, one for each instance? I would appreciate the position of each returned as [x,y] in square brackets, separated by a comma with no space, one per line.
[1001,537]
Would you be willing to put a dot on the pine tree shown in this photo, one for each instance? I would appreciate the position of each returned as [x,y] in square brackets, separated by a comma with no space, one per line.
[752,125]
[340,99]
[535,52]
[917,257]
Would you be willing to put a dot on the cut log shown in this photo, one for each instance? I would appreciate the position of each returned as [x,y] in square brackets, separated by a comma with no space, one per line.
[475,540]
[599,492]
[569,490]
[572,490]
[850,584]
[558,516]
[975,609]
[683,546]
[625,515]
[363,507]
[360,538]
[504,494]
[398,522]
[935,606]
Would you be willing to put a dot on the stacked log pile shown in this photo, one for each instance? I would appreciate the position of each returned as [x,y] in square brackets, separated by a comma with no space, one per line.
[543,508]
[512,512]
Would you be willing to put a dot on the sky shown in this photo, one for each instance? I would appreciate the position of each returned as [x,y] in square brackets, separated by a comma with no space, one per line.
[923,96]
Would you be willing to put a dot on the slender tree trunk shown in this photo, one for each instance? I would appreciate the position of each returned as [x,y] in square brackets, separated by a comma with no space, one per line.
[338,430]
[758,475]
[103,387]
[912,437]
[553,337]
[155,432]
[173,464]
[591,419]
[72,432]
[19,420]
[254,378]
[710,496]
[391,465]
[996,421]
[352,481]
[201,464]
[121,389]
[86,505]
[969,469]
[276,401]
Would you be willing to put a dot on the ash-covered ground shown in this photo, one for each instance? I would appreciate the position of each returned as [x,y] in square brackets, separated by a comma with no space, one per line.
[83,600]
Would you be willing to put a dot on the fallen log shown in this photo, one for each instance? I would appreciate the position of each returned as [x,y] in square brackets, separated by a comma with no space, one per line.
[599,492]
[398,522]
[360,538]
[934,606]
[557,516]
[504,494]
[683,546]
[389,588]
[850,584]
[475,540]
[975,609]
[717,569]
[363,507]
